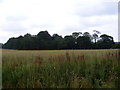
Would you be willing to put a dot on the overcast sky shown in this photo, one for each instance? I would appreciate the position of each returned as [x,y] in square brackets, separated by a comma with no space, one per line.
[18,17]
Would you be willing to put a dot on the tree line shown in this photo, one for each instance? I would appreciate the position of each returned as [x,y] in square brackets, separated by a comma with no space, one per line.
[78,40]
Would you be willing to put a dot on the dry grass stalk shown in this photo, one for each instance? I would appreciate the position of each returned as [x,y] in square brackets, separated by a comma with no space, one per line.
[67,56]
[61,58]
[80,57]
[38,60]
[51,59]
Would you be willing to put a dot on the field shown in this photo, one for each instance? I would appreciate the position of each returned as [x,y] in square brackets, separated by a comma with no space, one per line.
[60,69]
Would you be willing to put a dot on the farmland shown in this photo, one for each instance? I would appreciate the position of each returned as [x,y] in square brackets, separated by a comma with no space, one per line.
[60,68]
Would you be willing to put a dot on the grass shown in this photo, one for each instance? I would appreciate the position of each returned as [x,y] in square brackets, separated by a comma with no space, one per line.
[60,69]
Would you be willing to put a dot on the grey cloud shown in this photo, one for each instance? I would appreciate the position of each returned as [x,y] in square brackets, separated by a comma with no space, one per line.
[1,1]
[42,26]
[110,7]
[69,30]
[98,20]
[16,18]
[15,28]
[13,24]
[104,8]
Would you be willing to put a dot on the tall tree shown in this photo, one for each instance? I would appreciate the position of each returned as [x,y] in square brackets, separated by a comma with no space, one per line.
[95,35]
[84,42]
[58,42]
[70,42]
[76,34]
[105,41]
[44,40]
[11,44]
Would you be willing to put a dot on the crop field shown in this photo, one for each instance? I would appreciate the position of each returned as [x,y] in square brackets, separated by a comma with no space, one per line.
[61,69]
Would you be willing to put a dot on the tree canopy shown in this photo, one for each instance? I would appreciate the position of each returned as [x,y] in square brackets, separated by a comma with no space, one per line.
[44,41]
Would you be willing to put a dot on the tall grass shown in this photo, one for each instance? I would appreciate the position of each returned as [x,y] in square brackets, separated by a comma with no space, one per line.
[61,69]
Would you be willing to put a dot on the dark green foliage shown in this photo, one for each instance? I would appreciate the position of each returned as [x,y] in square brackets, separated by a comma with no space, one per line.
[84,42]
[58,42]
[44,41]
[116,45]
[105,42]
[70,42]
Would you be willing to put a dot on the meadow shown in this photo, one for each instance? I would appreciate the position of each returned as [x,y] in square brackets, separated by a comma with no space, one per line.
[60,68]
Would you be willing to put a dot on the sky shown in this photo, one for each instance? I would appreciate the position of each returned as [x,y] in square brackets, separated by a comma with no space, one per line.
[18,17]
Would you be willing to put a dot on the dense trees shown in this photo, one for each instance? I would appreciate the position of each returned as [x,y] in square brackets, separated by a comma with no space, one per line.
[70,42]
[44,41]
[84,42]
[105,42]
